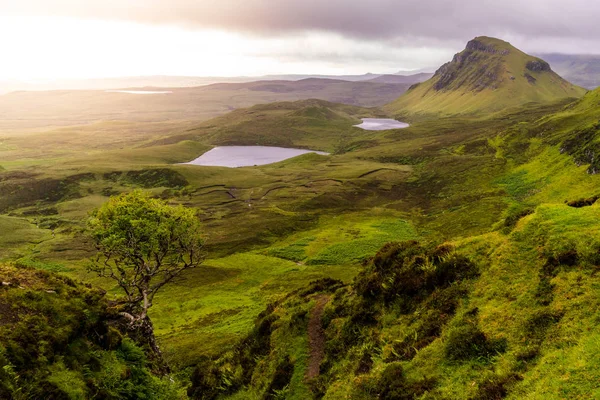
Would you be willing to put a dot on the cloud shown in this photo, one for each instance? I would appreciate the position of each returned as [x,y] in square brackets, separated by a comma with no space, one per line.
[341,36]
[423,20]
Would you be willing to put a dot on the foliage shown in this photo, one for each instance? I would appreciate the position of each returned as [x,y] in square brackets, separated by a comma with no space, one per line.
[143,244]
[61,340]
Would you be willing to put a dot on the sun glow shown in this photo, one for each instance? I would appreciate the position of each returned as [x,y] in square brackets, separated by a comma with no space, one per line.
[56,48]
[59,48]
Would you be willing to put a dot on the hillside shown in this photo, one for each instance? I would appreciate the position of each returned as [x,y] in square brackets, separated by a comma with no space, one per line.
[60,340]
[313,124]
[489,75]
[509,312]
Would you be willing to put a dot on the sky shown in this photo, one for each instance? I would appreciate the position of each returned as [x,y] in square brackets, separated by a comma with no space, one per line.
[79,39]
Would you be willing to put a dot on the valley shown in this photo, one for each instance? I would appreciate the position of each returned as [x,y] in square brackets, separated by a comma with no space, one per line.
[478,184]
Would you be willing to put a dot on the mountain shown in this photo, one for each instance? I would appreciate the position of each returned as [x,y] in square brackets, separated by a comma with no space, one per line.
[581,69]
[489,75]
[410,79]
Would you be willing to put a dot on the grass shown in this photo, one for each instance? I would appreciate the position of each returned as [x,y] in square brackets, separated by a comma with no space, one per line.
[18,235]
[272,229]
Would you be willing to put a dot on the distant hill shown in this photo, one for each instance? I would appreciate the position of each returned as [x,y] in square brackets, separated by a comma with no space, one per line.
[166,81]
[312,124]
[410,79]
[25,110]
[489,75]
[581,69]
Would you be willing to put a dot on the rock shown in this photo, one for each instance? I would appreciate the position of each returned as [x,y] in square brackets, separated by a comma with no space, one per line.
[5,283]
[530,78]
[476,45]
[538,66]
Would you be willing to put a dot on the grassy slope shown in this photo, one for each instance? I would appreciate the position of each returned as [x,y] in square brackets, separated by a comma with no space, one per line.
[490,82]
[534,300]
[59,339]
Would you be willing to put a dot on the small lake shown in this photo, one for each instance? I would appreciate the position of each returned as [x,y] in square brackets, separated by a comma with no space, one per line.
[381,124]
[140,91]
[247,156]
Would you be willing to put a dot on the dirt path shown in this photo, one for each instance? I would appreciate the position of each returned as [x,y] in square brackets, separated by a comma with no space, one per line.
[316,337]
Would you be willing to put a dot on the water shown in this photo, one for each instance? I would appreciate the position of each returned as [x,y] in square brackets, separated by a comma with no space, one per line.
[139,91]
[380,124]
[246,156]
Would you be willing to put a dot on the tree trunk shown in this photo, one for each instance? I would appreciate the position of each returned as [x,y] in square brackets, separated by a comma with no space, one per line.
[145,332]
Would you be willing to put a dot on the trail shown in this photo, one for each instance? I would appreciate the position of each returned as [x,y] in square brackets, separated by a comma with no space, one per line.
[316,337]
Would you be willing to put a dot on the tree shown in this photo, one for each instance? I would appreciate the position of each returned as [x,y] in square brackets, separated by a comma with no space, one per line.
[143,244]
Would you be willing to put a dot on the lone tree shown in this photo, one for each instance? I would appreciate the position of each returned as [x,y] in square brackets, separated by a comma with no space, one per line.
[143,244]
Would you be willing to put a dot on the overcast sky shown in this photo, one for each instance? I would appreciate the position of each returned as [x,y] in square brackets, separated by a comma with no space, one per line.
[105,38]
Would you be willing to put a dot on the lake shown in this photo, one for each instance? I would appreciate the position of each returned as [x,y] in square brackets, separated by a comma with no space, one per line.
[247,156]
[381,124]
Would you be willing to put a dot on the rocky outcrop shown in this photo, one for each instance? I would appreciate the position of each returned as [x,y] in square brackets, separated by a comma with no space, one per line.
[476,45]
[469,68]
[538,66]
[530,78]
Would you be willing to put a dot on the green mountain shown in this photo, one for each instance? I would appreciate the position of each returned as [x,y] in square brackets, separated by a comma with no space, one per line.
[489,75]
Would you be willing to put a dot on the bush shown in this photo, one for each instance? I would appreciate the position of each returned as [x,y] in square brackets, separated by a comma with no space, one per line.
[393,385]
[583,202]
[467,342]
[495,388]
[281,379]
[407,273]
[205,380]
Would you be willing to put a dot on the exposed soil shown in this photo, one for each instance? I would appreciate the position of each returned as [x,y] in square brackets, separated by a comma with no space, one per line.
[316,337]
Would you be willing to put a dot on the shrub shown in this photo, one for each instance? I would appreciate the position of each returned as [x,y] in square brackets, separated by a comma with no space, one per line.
[583,202]
[495,388]
[407,273]
[467,342]
[281,379]
[393,385]
[205,380]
